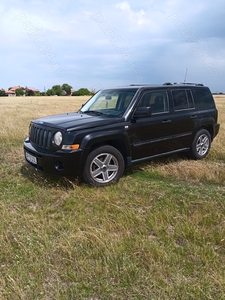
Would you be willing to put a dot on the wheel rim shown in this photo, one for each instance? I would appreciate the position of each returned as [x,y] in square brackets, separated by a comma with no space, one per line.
[202,145]
[104,168]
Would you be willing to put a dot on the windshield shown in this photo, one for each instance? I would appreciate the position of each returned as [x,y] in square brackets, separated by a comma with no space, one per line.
[112,103]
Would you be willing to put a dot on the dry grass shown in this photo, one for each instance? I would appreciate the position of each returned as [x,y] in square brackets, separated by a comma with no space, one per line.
[17,112]
[158,234]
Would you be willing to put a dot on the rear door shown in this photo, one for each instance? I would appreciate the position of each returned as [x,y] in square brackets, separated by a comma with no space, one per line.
[152,135]
[185,118]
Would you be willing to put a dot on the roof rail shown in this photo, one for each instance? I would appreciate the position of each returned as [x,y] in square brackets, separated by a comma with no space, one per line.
[188,83]
[167,83]
[138,84]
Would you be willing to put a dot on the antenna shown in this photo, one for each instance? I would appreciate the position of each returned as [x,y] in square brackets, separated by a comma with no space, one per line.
[185,76]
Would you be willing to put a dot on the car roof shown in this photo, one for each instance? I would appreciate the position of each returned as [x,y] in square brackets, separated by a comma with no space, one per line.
[168,84]
[164,85]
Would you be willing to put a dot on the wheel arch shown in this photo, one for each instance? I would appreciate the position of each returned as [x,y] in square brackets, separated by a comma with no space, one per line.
[118,141]
[209,128]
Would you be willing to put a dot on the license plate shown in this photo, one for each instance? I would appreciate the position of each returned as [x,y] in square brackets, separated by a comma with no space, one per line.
[32,159]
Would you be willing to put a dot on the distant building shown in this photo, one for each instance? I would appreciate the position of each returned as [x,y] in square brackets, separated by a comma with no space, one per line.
[30,91]
[12,91]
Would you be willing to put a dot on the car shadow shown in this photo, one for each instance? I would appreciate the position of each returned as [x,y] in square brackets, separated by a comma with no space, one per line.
[154,163]
[43,179]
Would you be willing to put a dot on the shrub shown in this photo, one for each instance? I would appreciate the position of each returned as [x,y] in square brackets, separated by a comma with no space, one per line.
[82,92]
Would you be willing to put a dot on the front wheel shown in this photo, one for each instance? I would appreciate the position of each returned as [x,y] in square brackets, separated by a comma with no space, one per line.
[104,166]
[201,144]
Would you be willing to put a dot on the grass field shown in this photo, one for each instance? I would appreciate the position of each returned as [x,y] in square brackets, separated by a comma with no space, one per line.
[158,234]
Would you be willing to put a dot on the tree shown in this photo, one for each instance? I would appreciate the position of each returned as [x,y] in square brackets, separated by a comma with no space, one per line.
[82,92]
[67,88]
[55,90]
[58,90]
[49,92]
[19,92]
[2,92]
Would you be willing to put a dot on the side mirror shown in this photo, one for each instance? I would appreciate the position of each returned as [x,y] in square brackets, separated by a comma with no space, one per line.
[142,112]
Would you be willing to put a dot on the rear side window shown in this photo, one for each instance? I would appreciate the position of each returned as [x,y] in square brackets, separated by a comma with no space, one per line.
[182,99]
[204,98]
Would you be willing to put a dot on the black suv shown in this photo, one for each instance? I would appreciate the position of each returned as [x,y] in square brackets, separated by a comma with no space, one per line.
[121,126]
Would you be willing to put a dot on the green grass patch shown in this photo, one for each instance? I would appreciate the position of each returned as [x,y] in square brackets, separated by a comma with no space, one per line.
[158,234]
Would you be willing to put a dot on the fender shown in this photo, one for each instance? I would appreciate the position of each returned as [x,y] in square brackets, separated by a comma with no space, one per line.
[207,122]
[112,137]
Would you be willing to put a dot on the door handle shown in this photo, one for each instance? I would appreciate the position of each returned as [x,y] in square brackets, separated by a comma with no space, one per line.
[166,121]
[194,116]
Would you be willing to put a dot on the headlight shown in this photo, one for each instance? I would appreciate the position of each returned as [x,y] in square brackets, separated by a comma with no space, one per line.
[57,138]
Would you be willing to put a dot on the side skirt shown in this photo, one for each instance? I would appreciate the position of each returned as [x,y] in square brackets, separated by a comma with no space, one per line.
[159,155]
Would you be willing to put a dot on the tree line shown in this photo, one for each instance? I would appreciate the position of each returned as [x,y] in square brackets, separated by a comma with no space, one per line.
[56,90]
[65,90]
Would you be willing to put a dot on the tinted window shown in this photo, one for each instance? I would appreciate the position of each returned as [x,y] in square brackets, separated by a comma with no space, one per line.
[182,99]
[204,98]
[158,101]
[190,99]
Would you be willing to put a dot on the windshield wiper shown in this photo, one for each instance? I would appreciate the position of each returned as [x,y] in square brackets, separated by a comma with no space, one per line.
[94,112]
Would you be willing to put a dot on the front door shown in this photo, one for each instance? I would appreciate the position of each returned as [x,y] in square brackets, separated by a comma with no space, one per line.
[152,135]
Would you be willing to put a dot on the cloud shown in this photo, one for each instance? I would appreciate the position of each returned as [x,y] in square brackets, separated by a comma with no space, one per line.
[86,43]
[138,17]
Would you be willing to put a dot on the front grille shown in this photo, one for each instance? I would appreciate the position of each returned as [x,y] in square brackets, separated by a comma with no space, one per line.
[40,136]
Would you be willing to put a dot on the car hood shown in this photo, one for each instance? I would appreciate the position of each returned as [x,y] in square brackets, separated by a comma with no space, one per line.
[76,121]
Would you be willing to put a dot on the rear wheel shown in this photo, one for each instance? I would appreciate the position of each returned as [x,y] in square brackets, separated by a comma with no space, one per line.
[201,144]
[104,166]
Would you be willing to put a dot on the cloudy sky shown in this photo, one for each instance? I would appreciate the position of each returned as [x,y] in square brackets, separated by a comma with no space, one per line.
[97,44]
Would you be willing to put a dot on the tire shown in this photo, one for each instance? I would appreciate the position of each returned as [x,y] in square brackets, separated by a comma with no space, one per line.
[104,166]
[201,144]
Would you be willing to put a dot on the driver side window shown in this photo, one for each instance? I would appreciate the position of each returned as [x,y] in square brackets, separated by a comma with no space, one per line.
[158,101]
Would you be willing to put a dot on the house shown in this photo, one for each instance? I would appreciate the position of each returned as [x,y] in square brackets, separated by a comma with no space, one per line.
[30,91]
[12,91]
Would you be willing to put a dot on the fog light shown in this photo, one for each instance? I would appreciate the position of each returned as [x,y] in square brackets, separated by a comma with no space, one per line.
[59,166]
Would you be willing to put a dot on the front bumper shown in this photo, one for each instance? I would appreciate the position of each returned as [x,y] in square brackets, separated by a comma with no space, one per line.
[60,162]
